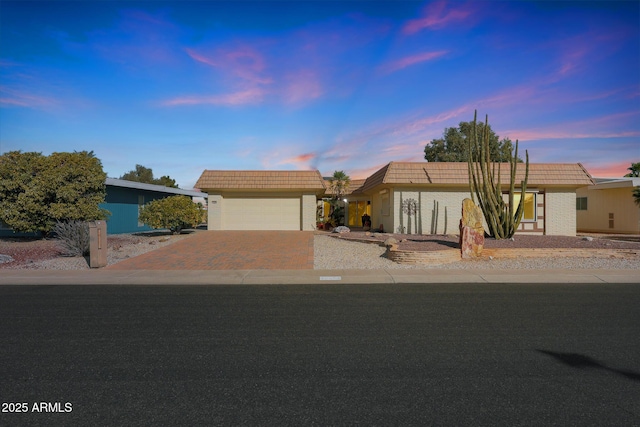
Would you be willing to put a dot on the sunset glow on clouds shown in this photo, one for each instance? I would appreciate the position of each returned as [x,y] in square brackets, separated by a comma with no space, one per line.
[186,86]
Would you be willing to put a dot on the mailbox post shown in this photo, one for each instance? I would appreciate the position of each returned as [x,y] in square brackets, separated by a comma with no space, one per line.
[97,244]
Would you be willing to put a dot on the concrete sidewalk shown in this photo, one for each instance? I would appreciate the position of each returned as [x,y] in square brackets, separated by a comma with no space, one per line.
[278,277]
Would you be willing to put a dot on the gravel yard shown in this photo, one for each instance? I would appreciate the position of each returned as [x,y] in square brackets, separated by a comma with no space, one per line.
[347,252]
[41,254]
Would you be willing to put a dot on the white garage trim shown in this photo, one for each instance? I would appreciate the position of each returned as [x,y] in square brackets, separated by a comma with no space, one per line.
[260,213]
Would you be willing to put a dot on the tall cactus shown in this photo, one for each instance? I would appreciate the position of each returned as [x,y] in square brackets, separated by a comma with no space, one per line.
[500,216]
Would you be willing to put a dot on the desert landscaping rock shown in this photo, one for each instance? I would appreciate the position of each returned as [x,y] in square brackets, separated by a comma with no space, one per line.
[5,258]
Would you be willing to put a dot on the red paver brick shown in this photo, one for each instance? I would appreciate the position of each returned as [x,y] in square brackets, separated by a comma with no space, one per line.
[229,250]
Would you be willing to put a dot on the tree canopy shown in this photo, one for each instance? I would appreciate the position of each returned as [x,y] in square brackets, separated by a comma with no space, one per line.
[145,175]
[634,170]
[37,191]
[453,146]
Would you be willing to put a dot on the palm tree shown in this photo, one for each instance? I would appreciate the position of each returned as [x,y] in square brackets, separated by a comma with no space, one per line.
[636,195]
[634,170]
[338,184]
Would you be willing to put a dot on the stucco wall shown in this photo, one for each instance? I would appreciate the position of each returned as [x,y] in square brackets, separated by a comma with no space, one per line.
[308,212]
[560,216]
[603,202]
[380,215]
[215,212]
[438,211]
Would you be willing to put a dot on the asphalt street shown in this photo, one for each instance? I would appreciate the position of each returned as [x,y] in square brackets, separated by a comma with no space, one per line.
[445,355]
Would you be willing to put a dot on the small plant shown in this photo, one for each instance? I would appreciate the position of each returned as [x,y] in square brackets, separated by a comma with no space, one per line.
[73,237]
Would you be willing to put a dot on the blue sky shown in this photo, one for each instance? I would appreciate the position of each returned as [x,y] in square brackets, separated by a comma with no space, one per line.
[185,86]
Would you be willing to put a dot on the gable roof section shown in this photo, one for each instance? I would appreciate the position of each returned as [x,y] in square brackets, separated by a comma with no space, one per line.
[456,173]
[115,182]
[260,180]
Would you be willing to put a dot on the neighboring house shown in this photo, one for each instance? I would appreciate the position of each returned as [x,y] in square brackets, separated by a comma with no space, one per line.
[262,200]
[125,198]
[608,206]
[282,200]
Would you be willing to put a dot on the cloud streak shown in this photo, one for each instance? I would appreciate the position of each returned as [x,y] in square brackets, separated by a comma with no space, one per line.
[436,15]
[410,60]
[250,96]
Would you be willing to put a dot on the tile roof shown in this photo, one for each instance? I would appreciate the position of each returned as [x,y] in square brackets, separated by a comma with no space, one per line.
[456,173]
[260,180]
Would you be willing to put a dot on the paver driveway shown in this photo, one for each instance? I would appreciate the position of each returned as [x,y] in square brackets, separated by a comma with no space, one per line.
[229,250]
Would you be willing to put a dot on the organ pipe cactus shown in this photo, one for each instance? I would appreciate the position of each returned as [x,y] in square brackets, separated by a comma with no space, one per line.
[502,218]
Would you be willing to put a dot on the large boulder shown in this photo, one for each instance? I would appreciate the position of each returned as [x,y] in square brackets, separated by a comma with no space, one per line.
[471,230]
[472,216]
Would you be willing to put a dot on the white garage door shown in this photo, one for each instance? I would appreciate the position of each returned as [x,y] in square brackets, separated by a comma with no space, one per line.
[261,214]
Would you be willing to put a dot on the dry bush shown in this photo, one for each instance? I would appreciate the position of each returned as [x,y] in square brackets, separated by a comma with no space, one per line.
[73,237]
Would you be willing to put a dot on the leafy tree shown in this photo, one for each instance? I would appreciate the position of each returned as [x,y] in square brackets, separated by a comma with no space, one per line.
[634,170]
[145,175]
[636,195]
[174,213]
[453,146]
[38,191]
[338,184]
[166,181]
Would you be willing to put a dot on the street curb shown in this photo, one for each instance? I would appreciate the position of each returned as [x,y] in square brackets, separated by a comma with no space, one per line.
[302,277]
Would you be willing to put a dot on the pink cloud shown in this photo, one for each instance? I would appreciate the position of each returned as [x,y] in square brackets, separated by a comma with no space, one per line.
[250,96]
[244,63]
[410,60]
[301,161]
[436,15]
[608,170]
[610,126]
[18,98]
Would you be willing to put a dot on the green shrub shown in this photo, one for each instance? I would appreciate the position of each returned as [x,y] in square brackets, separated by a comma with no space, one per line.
[73,237]
[37,191]
[174,213]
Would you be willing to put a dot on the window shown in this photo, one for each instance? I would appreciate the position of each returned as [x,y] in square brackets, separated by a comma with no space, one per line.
[529,212]
[581,203]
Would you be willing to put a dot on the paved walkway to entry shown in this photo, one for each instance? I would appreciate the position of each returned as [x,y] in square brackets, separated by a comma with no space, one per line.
[229,250]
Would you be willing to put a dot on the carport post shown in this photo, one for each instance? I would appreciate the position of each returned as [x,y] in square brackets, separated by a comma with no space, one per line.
[97,244]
